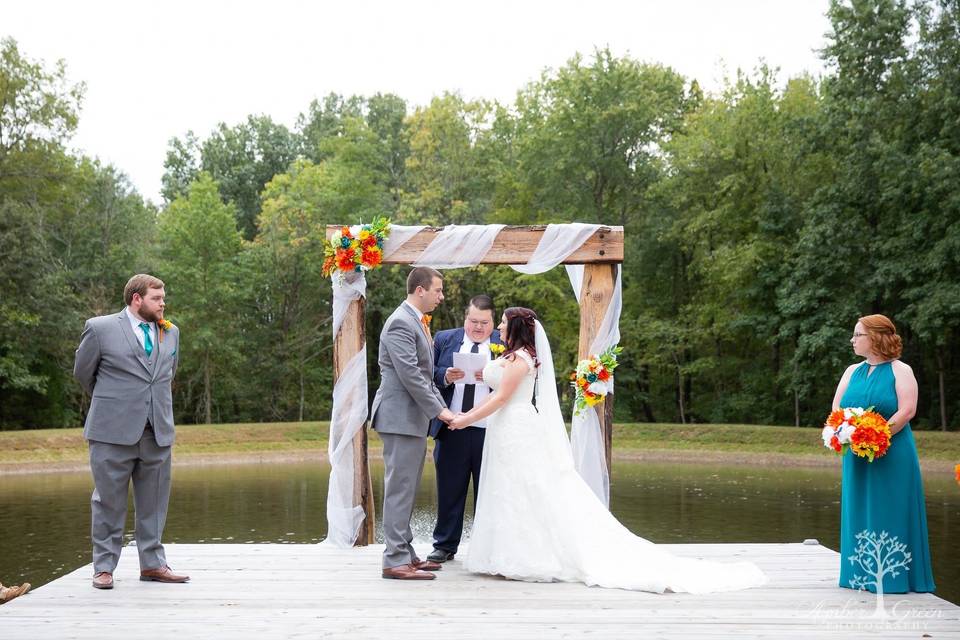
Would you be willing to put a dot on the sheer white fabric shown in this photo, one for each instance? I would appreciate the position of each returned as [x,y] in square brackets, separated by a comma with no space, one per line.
[558,242]
[349,414]
[345,290]
[399,234]
[459,246]
[538,521]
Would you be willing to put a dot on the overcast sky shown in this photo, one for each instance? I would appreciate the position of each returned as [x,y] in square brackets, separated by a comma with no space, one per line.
[155,70]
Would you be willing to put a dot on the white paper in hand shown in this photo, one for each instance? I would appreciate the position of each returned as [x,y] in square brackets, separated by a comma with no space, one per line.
[471,364]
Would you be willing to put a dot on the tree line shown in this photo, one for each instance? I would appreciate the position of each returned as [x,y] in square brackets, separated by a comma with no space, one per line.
[761,220]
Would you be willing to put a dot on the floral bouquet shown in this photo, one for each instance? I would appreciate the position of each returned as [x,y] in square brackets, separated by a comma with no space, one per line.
[355,249]
[863,430]
[497,349]
[593,379]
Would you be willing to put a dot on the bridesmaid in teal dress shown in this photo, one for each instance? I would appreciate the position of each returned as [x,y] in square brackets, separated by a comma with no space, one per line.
[886,494]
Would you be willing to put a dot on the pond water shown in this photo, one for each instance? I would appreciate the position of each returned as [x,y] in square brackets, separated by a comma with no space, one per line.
[45,518]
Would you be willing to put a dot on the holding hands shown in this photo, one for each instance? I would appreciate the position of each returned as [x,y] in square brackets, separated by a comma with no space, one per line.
[454,421]
[459,422]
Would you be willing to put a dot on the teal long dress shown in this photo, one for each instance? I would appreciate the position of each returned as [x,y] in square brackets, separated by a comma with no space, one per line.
[886,494]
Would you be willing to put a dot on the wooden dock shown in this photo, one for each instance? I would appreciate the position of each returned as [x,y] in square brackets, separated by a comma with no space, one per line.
[313,591]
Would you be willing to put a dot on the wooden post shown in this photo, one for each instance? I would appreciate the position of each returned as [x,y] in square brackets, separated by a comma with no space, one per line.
[595,295]
[348,343]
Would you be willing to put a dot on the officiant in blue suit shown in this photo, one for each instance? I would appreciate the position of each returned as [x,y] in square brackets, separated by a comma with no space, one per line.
[457,453]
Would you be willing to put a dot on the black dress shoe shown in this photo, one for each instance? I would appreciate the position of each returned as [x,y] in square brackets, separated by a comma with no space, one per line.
[440,555]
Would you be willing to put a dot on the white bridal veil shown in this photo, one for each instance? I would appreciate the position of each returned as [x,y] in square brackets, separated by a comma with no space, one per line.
[548,403]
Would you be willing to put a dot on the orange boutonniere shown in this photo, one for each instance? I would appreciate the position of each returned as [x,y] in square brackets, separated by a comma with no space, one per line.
[162,325]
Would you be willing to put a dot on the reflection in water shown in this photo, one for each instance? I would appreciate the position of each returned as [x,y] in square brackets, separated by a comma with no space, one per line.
[45,518]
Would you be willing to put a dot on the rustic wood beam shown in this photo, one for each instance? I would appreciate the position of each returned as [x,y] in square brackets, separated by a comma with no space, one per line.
[515,245]
[349,342]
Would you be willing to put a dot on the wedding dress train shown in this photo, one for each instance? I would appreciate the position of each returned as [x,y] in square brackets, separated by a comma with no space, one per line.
[537,520]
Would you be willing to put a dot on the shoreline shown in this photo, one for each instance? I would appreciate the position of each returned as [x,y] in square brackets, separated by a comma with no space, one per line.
[674,456]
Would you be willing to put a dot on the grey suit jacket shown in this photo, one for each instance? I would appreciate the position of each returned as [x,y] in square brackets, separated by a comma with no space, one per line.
[407,398]
[127,389]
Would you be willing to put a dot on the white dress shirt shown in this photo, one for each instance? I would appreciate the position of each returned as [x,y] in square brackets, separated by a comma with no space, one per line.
[135,321]
[482,390]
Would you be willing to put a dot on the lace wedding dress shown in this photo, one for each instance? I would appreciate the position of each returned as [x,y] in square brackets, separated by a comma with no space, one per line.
[537,520]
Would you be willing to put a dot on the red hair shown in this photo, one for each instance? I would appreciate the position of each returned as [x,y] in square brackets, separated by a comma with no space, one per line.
[883,336]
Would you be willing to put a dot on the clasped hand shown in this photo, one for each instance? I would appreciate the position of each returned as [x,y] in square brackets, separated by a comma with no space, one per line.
[453,421]
[458,422]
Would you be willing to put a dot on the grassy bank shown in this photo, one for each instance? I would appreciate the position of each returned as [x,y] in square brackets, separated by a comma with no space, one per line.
[58,446]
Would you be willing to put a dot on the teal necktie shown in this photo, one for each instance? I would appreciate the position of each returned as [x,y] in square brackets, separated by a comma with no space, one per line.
[147,342]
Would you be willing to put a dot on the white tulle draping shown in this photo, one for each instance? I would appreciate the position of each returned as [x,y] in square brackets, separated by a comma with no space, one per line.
[586,438]
[349,413]
[399,235]
[459,246]
[557,242]
[352,287]
[453,247]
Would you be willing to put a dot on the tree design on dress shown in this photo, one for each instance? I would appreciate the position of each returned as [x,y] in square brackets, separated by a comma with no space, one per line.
[878,555]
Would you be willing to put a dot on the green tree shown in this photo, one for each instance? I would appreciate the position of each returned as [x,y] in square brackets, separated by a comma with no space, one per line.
[38,108]
[199,247]
[289,297]
[445,181]
[585,140]
[242,159]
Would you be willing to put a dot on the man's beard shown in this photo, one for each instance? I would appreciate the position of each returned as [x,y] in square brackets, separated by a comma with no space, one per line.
[150,316]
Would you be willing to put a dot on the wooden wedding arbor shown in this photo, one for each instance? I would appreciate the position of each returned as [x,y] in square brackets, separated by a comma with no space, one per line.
[600,254]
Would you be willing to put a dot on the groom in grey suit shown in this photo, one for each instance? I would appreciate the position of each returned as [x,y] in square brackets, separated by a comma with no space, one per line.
[126,362]
[402,409]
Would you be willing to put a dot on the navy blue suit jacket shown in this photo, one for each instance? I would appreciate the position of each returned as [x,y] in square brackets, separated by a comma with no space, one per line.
[445,344]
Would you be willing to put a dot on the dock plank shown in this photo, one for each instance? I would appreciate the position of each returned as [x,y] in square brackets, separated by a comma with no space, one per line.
[269,591]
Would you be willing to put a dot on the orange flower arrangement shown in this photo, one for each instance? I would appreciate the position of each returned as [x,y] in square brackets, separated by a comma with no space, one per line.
[355,249]
[866,432]
[956,472]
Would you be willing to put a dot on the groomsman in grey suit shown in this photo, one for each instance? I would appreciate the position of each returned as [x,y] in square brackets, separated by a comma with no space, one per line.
[126,361]
[402,409]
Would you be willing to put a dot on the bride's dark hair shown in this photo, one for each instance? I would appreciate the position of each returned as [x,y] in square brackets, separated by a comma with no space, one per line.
[521,331]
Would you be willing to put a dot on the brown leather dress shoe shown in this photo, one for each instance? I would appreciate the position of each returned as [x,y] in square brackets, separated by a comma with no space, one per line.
[9,593]
[103,580]
[427,565]
[162,574]
[407,572]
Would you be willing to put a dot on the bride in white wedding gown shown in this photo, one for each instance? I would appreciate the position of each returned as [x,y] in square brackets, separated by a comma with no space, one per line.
[536,519]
